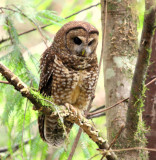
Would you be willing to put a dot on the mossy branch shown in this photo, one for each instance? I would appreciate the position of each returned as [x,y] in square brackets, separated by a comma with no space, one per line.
[140,70]
[43,105]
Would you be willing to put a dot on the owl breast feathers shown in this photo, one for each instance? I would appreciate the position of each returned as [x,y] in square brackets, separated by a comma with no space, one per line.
[69,73]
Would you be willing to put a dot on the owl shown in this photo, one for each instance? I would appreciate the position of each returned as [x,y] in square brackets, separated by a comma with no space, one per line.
[69,73]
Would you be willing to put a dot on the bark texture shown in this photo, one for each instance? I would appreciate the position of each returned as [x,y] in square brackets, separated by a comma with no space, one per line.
[136,96]
[119,58]
[135,135]
[149,115]
[120,53]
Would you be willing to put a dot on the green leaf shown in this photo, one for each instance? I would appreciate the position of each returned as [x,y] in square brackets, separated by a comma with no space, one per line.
[48,17]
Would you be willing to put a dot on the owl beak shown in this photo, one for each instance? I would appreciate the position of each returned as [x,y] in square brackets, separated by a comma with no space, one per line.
[83,52]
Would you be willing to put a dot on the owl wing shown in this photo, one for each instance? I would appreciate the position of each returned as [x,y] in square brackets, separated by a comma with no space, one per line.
[46,67]
[45,85]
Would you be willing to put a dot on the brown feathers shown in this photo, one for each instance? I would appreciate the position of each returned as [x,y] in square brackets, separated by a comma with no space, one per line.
[69,72]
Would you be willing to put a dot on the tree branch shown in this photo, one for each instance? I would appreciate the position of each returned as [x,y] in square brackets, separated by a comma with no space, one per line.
[131,149]
[114,140]
[24,90]
[15,147]
[75,144]
[100,112]
[104,24]
[44,26]
[5,82]
[69,114]
[32,21]
[140,71]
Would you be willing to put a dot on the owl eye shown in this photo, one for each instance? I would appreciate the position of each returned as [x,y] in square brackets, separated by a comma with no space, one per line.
[77,40]
[90,43]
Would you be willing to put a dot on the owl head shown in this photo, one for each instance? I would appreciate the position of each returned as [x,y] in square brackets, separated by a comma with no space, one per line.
[77,38]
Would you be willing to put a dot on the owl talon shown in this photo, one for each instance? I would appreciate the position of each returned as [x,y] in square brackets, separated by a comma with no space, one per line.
[72,109]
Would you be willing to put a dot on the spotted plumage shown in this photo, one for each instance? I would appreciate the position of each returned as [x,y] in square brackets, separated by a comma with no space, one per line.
[69,73]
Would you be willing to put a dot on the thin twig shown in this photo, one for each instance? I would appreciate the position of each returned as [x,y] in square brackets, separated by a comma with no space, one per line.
[131,149]
[116,137]
[150,82]
[104,23]
[135,148]
[114,140]
[24,15]
[75,144]
[5,82]
[15,147]
[96,115]
[119,102]
[82,10]
[94,156]
[103,110]
[99,108]
[44,26]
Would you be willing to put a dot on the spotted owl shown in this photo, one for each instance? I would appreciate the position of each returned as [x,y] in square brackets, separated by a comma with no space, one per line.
[69,73]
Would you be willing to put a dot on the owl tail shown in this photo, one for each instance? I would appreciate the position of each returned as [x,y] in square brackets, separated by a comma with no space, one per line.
[52,130]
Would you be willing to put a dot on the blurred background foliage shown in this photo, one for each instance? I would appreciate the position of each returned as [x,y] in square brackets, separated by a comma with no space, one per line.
[18,122]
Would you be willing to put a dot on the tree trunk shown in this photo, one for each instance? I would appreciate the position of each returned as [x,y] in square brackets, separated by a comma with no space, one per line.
[119,60]
[149,114]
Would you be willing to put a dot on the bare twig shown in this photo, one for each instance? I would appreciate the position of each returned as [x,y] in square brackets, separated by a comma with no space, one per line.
[150,82]
[119,102]
[99,108]
[5,82]
[105,109]
[44,26]
[82,10]
[104,23]
[96,115]
[24,15]
[94,156]
[131,149]
[15,147]
[114,140]
[68,114]
[116,137]
[75,144]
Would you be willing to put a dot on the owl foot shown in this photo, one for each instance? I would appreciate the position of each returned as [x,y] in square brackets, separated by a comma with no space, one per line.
[71,108]
[74,110]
